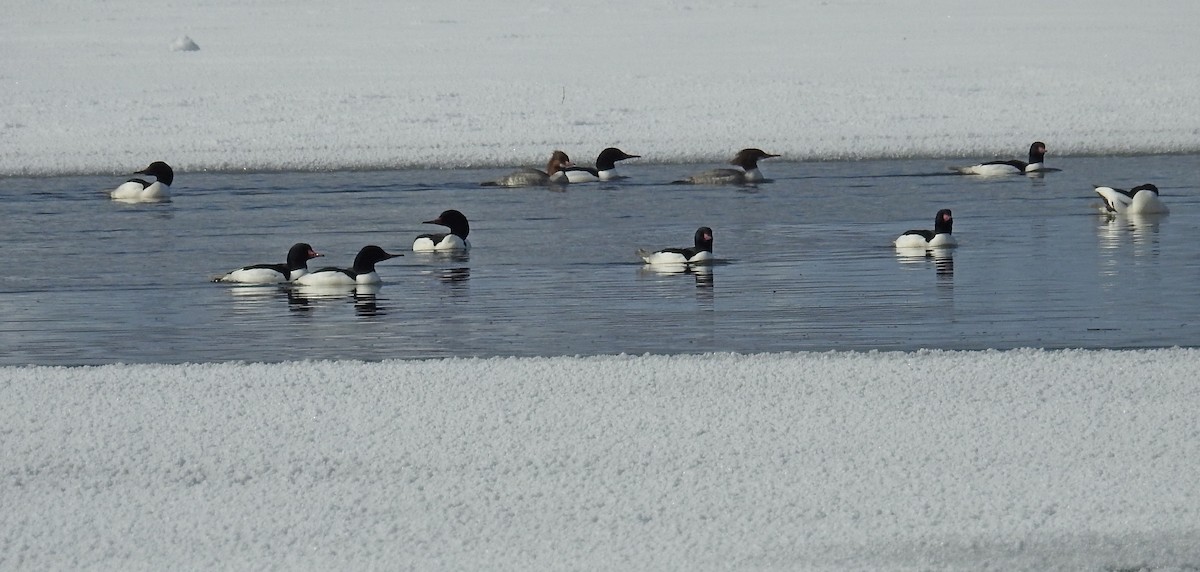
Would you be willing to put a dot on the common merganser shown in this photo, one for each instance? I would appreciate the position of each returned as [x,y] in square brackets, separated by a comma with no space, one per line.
[747,159]
[940,237]
[135,190]
[296,266]
[1036,163]
[1142,199]
[363,271]
[605,170]
[530,177]
[701,253]
[456,239]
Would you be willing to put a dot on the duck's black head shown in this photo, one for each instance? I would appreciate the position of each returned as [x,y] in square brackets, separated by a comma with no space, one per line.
[299,255]
[607,159]
[455,221]
[368,257]
[943,222]
[748,158]
[704,239]
[1037,152]
[160,171]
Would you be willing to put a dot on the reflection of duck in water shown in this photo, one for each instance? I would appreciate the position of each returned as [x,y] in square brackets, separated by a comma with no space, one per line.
[1142,199]
[530,177]
[699,253]
[940,237]
[1036,164]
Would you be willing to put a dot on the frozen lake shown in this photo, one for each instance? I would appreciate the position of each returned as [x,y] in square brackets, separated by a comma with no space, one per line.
[805,264]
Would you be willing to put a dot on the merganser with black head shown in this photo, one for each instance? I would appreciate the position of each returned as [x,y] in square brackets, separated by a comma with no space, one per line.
[605,169]
[455,240]
[699,253]
[1142,199]
[136,190]
[362,272]
[296,266]
[746,159]
[940,237]
[1036,164]
[530,177]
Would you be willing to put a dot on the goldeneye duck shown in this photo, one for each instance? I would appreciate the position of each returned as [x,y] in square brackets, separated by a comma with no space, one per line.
[700,253]
[530,177]
[746,159]
[940,237]
[456,239]
[135,190]
[605,169]
[296,266]
[362,272]
[1142,199]
[1036,163]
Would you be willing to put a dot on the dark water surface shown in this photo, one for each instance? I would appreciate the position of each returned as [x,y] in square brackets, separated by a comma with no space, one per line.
[806,264]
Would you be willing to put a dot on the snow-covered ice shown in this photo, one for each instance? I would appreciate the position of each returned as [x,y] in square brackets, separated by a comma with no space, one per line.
[1024,459]
[94,88]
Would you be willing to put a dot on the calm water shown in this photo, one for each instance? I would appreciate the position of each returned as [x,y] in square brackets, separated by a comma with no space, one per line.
[806,264]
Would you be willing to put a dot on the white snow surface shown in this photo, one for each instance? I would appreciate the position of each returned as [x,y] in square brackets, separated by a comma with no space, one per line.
[95,87]
[1014,460]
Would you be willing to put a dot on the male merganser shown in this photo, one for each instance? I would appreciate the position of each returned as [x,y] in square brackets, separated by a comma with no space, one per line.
[363,271]
[295,267]
[456,239]
[530,177]
[1142,199]
[747,159]
[1037,158]
[701,253]
[605,170]
[135,190]
[940,237]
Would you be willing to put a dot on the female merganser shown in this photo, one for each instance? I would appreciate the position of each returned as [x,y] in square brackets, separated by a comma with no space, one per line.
[701,253]
[747,159]
[296,266]
[530,177]
[605,170]
[363,271]
[135,190]
[1037,158]
[456,239]
[940,237]
[1142,199]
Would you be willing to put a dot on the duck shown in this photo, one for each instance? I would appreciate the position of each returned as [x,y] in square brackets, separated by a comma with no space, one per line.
[362,272]
[605,169]
[296,266]
[135,190]
[940,237]
[1142,199]
[700,253]
[456,239]
[746,159]
[530,177]
[1036,163]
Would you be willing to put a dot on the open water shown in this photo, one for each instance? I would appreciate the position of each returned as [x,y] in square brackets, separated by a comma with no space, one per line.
[805,263]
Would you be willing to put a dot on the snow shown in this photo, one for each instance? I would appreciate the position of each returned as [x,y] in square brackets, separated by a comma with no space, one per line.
[96,88]
[1025,459]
